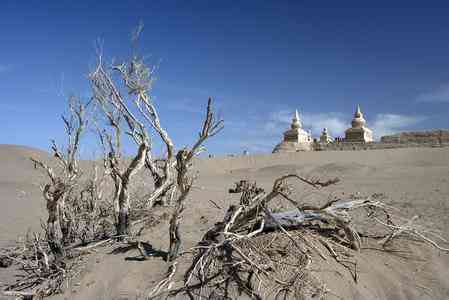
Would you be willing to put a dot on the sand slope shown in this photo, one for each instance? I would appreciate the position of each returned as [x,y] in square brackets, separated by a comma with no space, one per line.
[20,197]
[415,180]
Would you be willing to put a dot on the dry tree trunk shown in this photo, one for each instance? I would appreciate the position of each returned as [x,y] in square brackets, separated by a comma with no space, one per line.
[137,79]
[116,109]
[55,235]
[117,192]
[123,225]
[211,127]
[158,181]
[175,220]
[174,233]
[57,192]
[66,221]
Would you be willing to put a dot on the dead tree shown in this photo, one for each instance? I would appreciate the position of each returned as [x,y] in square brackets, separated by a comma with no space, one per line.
[240,222]
[266,255]
[139,114]
[211,127]
[61,183]
[120,111]
[92,212]
[114,105]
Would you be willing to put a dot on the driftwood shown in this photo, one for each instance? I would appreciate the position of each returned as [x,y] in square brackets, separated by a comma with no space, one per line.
[43,276]
[263,254]
[221,242]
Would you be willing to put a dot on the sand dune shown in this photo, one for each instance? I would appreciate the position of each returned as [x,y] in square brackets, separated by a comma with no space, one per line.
[20,196]
[414,180]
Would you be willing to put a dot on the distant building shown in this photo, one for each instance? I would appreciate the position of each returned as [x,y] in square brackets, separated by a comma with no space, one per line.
[435,137]
[357,137]
[296,138]
[358,132]
[325,137]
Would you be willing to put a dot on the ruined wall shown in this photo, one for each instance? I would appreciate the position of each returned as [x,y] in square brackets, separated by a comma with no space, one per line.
[373,146]
[432,138]
[418,137]
[286,146]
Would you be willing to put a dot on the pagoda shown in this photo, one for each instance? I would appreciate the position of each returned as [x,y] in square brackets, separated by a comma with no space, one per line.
[296,138]
[325,137]
[358,132]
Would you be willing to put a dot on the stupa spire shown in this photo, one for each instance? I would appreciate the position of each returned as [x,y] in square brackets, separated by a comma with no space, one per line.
[296,121]
[358,131]
[358,120]
[296,138]
[358,112]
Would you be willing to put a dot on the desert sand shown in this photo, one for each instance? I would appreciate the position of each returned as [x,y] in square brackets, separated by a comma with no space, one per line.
[413,180]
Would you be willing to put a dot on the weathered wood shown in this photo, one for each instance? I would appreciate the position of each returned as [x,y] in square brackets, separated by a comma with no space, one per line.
[184,182]
[52,193]
[58,190]
[5,261]
[22,295]
[290,219]
[123,224]
[137,80]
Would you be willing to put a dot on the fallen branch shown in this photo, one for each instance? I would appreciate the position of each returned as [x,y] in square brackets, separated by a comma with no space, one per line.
[266,255]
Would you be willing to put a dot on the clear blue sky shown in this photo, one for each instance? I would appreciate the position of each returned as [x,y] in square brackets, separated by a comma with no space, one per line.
[258,59]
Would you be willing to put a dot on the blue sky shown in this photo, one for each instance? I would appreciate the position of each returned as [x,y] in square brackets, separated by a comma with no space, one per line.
[259,60]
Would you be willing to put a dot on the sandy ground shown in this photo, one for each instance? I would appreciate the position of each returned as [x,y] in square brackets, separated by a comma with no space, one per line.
[413,180]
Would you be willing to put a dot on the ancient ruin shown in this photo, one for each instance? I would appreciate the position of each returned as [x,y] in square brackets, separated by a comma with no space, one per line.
[357,137]
[296,138]
[325,137]
[358,132]
[438,136]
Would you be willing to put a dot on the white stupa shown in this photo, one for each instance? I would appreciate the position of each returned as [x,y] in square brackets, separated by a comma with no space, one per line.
[325,137]
[358,132]
[295,139]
